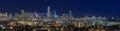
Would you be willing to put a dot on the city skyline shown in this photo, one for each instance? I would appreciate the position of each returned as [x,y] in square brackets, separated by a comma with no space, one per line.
[59,15]
[50,13]
[103,8]
[53,13]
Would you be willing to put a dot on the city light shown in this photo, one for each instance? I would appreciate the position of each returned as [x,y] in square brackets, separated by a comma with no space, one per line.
[53,21]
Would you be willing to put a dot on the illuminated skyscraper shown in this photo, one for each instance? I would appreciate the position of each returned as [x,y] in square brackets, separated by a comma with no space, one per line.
[22,11]
[10,16]
[70,15]
[48,12]
[6,14]
[23,15]
[55,15]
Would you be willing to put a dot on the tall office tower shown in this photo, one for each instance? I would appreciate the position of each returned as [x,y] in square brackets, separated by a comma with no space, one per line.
[85,17]
[63,16]
[22,12]
[10,16]
[70,15]
[55,15]
[48,12]
[6,14]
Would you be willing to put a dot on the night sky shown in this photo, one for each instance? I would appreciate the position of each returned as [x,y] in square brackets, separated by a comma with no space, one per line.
[106,8]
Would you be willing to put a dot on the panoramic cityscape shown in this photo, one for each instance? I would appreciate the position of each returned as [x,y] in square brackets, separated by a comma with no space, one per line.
[59,15]
[51,21]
